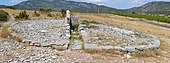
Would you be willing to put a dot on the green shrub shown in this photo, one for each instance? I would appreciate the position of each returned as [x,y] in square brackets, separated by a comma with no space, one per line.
[49,15]
[63,13]
[22,16]
[36,14]
[45,10]
[3,16]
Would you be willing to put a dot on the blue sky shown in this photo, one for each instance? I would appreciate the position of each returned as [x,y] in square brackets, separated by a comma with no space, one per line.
[120,4]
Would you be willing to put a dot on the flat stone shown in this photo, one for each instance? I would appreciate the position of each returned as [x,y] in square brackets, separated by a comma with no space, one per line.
[107,47]
[151,47]
[45,44]
[43,31]
[130,49]
[117,47]
[64,47]
[92,47]
[141,48]
[77,46]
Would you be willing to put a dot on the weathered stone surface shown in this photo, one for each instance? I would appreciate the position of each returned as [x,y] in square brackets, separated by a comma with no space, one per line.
[92,47]
[77,46]
[107,47]
[64,47]
[42,32]
[141,48]
[121,39]
[130,49]
[74,20]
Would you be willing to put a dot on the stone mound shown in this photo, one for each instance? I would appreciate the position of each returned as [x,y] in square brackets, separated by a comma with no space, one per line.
[56,34]
[109,37]
[53,33]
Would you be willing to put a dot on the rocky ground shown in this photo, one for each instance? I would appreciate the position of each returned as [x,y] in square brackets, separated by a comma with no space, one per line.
[110,37]
[12,51]
[52,33]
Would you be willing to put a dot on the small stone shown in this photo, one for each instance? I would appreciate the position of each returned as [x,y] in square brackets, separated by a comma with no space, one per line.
[36,44]
[130,49]
[77,46]
[43,31]
[54,57]
[127,56]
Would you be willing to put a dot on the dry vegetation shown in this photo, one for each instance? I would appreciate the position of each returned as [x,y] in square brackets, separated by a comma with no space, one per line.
[5,32]
[55,15]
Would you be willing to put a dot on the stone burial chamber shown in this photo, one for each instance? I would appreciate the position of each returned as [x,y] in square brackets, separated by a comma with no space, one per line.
[58,34]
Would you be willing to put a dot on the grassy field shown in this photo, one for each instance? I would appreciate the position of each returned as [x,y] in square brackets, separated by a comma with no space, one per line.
[160,56]
[165,19]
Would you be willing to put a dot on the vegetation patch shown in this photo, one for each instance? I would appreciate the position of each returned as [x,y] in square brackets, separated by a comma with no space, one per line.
[4,16]
[36,14]
[22,16]
[45,10]
[88,21]
[148,17]
[5,32]
[63,13]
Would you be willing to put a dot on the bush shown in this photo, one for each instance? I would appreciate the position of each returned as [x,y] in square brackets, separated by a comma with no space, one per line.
[49,15]
[45,10]
[3,16]
[36,14]
[63,12]
[22,16]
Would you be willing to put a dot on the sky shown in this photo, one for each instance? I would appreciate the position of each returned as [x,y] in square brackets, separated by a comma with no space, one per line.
[119,4]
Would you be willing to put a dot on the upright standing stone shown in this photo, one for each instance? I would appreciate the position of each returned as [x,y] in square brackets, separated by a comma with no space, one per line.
[68,19]
[68,16]
[71,20]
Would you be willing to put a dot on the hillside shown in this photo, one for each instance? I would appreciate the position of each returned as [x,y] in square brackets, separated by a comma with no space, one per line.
[57,5]
[2,6]
[157,7]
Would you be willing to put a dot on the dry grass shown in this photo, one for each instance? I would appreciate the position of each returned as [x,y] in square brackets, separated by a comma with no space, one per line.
[5,32]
